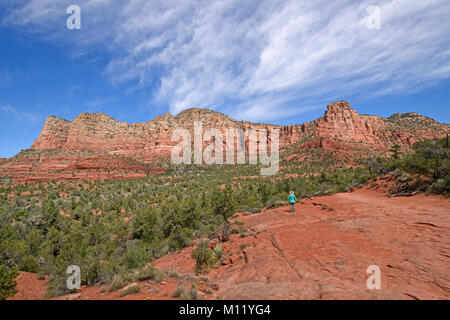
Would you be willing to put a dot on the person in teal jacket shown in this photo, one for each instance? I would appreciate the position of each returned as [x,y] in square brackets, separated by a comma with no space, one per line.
[292,200]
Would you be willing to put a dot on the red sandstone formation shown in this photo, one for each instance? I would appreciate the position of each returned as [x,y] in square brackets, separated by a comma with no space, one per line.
[342,122]
[95,146]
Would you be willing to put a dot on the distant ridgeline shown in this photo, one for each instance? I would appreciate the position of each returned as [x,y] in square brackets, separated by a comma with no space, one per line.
[96,146]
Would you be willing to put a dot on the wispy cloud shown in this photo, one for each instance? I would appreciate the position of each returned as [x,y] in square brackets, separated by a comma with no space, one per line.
[72,90]
[255,58]
[96,103]
[18,115]
[5,78]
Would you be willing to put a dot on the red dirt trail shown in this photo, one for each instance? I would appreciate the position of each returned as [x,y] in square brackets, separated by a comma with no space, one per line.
[321,251]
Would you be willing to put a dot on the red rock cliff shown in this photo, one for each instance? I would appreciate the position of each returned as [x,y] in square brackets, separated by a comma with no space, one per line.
[96,142]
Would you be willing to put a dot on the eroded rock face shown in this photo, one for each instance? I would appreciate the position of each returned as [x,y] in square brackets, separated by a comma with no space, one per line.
[53,134]
[342,122]
[34,166]
[98,131]
[94,141]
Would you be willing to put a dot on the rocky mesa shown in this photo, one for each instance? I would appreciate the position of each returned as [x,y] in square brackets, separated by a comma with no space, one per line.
[96,146]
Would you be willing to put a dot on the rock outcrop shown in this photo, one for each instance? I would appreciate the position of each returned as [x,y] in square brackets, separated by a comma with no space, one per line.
[96,146]
[342,122]
[53,134]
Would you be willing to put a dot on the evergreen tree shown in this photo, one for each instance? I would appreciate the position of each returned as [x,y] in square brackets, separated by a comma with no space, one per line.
[7,282]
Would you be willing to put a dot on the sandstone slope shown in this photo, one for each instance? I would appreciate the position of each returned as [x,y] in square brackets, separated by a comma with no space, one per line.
[324,249]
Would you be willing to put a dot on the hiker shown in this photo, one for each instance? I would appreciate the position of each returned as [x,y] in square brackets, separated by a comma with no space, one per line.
[292,200]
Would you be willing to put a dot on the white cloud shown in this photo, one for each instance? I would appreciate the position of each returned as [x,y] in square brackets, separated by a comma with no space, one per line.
[258,56]
[18,115]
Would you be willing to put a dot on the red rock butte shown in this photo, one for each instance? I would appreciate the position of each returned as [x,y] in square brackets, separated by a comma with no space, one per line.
[96,146]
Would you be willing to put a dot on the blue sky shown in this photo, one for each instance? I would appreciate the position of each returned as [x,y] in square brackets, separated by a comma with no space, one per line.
[278,62]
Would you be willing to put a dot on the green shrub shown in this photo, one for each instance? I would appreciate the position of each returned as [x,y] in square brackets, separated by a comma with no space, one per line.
[441,186]
[430,158]
[117,282]
[29,264]
[147,273]
[57,285]
[135,257]
[280,203]
[203,257]
[218,252]
[255,210]
[7,282]
[106,272]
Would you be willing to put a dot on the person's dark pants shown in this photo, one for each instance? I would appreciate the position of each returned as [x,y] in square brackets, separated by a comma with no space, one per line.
[292,207]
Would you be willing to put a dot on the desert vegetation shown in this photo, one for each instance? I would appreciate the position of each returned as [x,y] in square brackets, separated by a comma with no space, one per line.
[425,169]
[113,230]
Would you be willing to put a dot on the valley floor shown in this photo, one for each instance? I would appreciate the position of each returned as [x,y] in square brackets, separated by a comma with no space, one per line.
[322,251]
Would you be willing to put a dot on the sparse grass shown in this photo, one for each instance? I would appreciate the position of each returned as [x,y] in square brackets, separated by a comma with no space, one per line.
[218,252]
[242,246]
[184,294]
[178,292]
[117,283]
[326,207]
[131,289]
[172,273]
[147,273]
